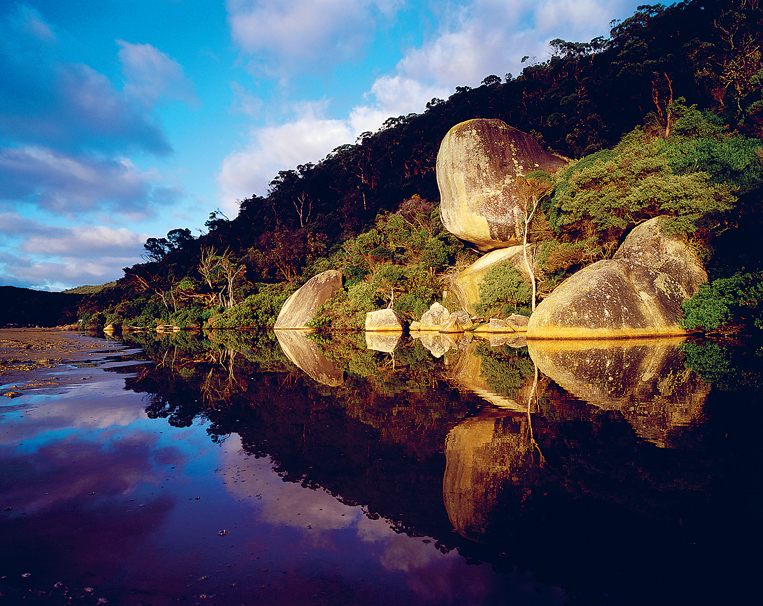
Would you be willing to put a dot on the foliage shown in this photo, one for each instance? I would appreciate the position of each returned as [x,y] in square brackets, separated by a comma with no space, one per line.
[347,309]
[259,309]
[503,291]
[738,298]
[601,196]
[727,367]
[506,369]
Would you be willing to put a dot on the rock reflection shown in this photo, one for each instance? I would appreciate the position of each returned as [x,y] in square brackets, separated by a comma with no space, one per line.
[438,344]
[490,469]
[501,376]
[385,342]
[305,354]
[646,380]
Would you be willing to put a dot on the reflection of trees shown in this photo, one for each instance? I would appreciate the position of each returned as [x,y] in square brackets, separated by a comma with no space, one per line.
[561,487]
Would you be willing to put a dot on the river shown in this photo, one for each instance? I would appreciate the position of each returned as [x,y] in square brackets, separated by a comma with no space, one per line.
[260,468]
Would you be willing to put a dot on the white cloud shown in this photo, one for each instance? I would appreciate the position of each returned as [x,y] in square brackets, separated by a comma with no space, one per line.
[244,101]
[57,257]
[307,138]
[304,34]
[487,37]
[33,24]
[150,75]
[85,241]
[70,185]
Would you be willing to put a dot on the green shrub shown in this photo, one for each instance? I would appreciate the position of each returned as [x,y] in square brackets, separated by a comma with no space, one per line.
[259,309]
[600,196]
[503,291]
[725,301]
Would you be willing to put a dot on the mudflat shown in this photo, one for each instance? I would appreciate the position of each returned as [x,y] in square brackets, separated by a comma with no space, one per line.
[28,354]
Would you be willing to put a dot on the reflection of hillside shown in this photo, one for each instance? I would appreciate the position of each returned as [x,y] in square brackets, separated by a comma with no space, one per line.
[305,354]
[601,503]
[645,380]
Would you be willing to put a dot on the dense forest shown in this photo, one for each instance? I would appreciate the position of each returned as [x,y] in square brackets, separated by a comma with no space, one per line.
[664,116]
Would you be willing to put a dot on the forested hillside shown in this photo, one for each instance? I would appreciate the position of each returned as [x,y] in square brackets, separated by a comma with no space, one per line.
[665,117]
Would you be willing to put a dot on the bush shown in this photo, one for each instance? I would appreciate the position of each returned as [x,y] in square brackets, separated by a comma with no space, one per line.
[605,193]
[725,301]
[259,309]
[503,291]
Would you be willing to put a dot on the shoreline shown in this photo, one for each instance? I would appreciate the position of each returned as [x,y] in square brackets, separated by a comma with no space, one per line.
[28,355]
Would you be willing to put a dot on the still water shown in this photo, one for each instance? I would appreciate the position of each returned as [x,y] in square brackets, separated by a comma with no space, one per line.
[260,468]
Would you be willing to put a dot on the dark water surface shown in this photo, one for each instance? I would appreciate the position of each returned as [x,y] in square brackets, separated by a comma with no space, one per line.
[254,468]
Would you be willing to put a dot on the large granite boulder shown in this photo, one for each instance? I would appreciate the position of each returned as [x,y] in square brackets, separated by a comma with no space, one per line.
[477,166]
[301,306]
[466,285]
[638,293]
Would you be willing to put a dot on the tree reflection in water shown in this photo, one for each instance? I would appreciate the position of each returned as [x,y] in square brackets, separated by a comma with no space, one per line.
[616,471]
[608,472]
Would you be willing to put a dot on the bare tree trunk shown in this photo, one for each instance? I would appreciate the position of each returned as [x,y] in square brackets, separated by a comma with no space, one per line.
[525,230]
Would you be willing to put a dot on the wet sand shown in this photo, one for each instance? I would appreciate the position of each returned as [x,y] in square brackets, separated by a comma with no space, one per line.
[27,356]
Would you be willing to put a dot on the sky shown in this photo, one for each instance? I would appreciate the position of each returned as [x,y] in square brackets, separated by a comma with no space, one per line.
[122,120]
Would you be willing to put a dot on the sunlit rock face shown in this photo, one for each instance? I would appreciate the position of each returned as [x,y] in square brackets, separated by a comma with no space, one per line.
[434,317]
[301,306]
[466,285]
[488,472]
[667,253]
[383,320]
[458,321]
[638,293]
[645,380]
[514,324]
[477,166]
[305,354]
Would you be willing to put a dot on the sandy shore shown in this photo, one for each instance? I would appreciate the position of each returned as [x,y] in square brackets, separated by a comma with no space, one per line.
[28,354]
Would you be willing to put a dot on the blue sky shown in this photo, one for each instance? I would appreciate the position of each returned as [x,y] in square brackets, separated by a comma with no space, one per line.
[120,121]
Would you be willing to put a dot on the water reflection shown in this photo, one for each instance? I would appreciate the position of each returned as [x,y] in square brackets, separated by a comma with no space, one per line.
[645,380]
[491,474]
[491,459]
[501,375]
[305,354]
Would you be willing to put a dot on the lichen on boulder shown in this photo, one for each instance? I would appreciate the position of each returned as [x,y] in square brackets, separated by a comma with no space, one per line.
[638,293]
[477,168]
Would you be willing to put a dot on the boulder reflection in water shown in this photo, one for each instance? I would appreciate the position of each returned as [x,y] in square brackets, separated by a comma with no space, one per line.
[645,379]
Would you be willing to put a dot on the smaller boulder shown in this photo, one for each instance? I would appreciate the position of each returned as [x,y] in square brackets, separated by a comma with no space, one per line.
[383,320]
[458,321]
[513,324]
[434,317]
